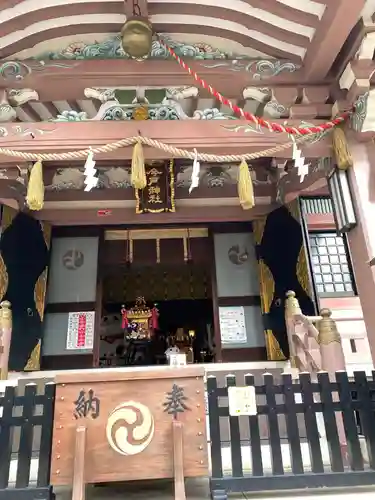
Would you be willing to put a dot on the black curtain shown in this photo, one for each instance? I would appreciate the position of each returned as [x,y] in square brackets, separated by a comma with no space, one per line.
[25,255]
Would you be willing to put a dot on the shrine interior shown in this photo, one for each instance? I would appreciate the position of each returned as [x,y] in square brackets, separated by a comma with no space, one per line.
[156,297]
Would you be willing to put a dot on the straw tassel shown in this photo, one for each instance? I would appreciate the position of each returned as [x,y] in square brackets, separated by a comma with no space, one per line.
[245,187]
[35,187]
[343,157]
[138,171]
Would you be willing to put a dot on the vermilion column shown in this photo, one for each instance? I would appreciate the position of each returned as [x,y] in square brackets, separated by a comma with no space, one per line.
[361,239]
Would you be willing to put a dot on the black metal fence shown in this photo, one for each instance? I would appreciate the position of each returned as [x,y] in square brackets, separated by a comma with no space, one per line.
[23,418]
[321,445]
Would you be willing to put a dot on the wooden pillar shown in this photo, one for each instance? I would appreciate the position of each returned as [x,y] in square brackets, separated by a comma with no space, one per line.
[99,299]
[361,239]
[215,302]
[5,337]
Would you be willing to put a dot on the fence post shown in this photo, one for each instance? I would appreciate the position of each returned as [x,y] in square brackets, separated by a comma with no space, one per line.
[5,337]
[215,434]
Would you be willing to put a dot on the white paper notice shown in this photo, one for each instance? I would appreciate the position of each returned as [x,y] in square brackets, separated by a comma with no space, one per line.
[242,401]
[177,359]
[80,334]
[232,325]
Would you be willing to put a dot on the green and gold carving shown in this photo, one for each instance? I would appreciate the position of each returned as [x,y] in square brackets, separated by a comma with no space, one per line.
[293,208]
[34,359]
[267,290]
[41,284]
[7,215]
[302,268]
[267,285]
[302,271]
[274,353]
[3,278]
[258,229]
[40,293]
[47,230]
[40,289]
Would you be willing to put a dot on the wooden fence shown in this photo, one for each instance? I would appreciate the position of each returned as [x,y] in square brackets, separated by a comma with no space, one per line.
[304,435]
[20,417]
[323,446]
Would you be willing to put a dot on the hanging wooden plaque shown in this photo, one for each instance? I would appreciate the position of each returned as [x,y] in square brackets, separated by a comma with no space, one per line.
[159,194]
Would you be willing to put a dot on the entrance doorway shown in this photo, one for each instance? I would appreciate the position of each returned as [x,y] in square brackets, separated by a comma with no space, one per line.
[157,297]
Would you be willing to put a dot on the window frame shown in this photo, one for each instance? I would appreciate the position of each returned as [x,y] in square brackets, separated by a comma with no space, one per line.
[327,234]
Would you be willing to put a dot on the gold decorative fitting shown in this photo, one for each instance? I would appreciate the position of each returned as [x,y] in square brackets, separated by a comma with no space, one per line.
[274,352]
[136,38]
[140,113]
[5,315]
[328,332]
[301,271]
[267,284]
[33,362]
[292,306]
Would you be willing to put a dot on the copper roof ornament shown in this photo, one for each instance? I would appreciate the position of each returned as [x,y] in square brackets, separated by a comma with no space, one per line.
[136,38]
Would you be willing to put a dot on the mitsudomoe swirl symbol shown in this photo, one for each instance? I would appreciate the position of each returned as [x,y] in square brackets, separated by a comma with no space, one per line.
[130,428]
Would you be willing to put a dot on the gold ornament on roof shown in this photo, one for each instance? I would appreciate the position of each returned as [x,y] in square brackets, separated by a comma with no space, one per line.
[136,38]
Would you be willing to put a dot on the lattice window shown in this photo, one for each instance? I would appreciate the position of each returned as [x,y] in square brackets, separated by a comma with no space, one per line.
[331,265]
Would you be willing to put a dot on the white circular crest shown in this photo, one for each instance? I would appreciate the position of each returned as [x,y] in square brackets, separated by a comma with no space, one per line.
[130,428]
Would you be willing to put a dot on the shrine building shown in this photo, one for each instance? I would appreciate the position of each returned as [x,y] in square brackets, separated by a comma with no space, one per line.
[172,174]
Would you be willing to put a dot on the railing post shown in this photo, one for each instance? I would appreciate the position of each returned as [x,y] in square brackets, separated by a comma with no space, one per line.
[292,308]
[331,351]
[5,337]
[333,360]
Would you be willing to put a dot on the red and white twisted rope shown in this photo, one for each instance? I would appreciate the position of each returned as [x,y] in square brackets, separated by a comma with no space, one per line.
[272,126]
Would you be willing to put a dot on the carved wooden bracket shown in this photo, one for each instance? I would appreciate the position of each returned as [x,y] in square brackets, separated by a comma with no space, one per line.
[304,103]
[11,99]
[356,81]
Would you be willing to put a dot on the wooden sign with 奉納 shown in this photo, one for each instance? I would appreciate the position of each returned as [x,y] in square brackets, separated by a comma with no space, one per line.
[126,424]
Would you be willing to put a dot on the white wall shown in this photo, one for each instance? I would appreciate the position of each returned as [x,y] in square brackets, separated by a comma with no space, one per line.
[239,280]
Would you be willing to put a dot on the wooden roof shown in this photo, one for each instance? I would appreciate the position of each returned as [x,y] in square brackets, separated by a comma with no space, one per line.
[308,32]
